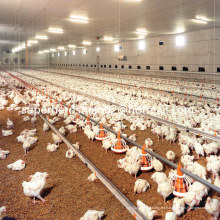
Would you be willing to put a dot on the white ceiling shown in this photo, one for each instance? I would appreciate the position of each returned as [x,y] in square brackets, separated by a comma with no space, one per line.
[22,19]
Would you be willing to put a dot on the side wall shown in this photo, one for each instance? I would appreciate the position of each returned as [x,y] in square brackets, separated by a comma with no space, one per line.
[200,50]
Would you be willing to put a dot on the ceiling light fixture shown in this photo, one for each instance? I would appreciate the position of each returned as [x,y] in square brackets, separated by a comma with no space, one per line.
[86,43]
[98,49]
[79,19]
[200,20]
[141,31]
[60,48]
[71,46]
[41,37]
[108,38]
[53,50]
[55,30]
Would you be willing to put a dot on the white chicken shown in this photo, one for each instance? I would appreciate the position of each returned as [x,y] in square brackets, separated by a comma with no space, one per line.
[92,177]
[146,210]
[141,186]
[72,128]
[6,133]
[17,165]
[159,177]
[148,142]
[2,212]
[170,155]
[56,139]
[45,127]
[52,147]
[106,144]
[212,206]
[170,216]
[217,181]
[93,215]
[26,118]
[3,154]
[62,131]
[9,124]
[69,154]
[178,206]
[133,137]
[164,189]
[157,165]
[192,199]
[34,187]
[34,120]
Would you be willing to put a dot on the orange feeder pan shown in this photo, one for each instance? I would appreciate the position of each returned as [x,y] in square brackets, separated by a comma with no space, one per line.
[180,183]
[101,133]
[146,160]
[88,122]
[119,146]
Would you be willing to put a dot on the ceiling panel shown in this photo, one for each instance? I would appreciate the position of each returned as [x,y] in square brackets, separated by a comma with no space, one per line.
[22,19]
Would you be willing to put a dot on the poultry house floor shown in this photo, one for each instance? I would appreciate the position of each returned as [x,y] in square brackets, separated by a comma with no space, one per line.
[68,192]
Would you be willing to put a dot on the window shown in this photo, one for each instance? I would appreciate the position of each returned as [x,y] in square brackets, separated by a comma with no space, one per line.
[161,68]
[185,68]
[218,69]
[160,43]
[180,41]
[173,68]
[110,66]
[130,67]
[104,66]
[201,69]
[138,67]
[122,66]
[148,67]
[116,66]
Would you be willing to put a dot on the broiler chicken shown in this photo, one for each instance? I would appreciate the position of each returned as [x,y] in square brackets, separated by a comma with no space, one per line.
[178,206]
[17,165]
[6,133]
[62,131]
[69,154]
[93,215]
[56,139]
[46,127]
[2,212]
[146,210]
[92,177]
[141,186]
[164,189]
[192,199]
[9,124]
[52,147]
[3,154]
[212,206]
[34,187]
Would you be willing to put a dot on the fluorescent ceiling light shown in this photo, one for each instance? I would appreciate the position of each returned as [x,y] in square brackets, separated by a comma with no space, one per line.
[98,49]
[55,30]
[29,45]
[108,38]
[71,46]
[41,37]
[141,45]
[79,19]
[46,51]
[180,41]
[41,52]
[86,43]
[60,48]
[58,54]
[141,31]
[32,42]
[200,20]
[74,53]
[53,50]
[65,54]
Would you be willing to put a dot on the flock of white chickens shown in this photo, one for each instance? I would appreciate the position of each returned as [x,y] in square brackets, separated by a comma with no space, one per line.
[204,117]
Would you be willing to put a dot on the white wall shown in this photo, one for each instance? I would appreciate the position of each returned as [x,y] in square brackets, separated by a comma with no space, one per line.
[200,50]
